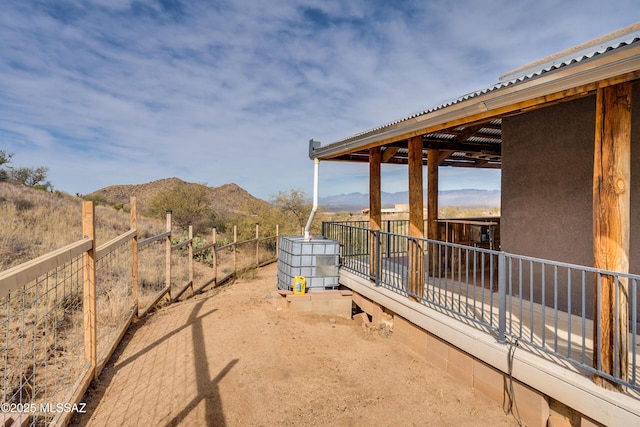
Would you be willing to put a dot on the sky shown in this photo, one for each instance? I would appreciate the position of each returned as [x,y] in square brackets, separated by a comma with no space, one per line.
[109,92]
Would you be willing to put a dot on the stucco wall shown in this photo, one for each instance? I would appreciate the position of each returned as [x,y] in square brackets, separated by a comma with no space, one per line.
[547,175]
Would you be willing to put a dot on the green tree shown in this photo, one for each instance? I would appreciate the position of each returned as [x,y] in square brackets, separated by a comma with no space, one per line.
[30,176]
[189,204]
[295,205]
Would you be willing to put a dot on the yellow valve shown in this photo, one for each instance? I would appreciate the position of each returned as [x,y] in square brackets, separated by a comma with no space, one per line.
[299,285]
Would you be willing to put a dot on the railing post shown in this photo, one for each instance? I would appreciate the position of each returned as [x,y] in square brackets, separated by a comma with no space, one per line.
[89,287]
[214,257]
[502,297]
[134,254]
[168,257]
[191,257]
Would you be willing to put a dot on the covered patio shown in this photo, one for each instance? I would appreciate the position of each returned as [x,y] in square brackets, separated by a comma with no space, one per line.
[562,277]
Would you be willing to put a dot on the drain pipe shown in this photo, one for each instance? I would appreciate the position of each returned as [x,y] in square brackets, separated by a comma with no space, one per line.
[316,168]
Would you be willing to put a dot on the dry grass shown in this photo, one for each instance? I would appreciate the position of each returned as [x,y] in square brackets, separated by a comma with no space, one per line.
[35,222]
[43,352]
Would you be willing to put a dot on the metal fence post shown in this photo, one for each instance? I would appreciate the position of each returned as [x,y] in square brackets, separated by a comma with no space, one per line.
[502,297]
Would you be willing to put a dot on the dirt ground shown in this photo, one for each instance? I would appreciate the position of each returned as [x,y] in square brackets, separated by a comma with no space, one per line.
[227,357]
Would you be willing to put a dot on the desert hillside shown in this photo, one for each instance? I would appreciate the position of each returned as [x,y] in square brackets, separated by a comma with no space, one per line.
[228,198]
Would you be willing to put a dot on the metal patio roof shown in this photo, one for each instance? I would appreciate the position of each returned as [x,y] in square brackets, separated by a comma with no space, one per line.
[467,130]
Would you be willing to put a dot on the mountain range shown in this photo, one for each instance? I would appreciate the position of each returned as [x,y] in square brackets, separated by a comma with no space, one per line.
[461,198]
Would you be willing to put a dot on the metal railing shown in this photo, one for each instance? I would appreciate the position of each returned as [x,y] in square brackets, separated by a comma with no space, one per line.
[542,305]
[65,312]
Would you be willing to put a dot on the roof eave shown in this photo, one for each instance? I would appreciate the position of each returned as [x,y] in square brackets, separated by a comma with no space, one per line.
[619,62]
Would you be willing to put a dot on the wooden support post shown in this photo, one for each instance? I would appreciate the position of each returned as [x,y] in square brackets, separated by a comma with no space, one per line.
[257,245]
[89,288]
[432,193]
[611,219]
[134,253]
[416,217]
[214,257]
[191,257]
[375,207]
[168,257]
[433,161]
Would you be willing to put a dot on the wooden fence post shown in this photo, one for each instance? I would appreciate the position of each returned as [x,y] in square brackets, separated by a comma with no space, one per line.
[134,254]
[168,257]
[191,258]
[235,256]
[89,288]
[257,245]
[214,258]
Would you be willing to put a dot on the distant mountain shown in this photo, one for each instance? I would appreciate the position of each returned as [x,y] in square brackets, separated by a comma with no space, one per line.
[446,198]
[228,198]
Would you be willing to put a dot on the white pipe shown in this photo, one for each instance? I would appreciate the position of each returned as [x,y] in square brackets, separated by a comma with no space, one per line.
[316,173]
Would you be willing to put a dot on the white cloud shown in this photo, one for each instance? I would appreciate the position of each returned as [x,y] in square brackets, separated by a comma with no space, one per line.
[128,92]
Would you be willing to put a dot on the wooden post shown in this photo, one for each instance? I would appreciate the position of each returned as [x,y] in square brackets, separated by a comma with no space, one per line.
[134,253]
[416,216]
[257,245]
[432,194]
[214,257]
[235,255]
[375,207]
[168,257]
[277,240]
[433,161]
[611,219]
[191,257]
[89,288]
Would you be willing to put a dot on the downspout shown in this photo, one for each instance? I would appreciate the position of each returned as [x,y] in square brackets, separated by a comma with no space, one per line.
[316,173]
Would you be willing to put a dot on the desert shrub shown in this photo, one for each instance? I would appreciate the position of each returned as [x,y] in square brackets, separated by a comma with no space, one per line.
[189,205]
[97,198]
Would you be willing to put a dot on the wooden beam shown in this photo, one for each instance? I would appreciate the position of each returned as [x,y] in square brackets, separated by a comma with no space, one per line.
[388,153]
[375,206]
[611,222]
[416,218]
[442,155]
[468,132]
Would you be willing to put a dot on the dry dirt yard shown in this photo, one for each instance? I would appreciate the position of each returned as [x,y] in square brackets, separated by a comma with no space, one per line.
[228,357]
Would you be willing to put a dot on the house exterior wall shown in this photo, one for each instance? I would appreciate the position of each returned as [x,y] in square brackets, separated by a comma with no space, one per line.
[547,178]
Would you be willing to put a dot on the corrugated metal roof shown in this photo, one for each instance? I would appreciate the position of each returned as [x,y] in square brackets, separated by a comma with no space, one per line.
[622,38]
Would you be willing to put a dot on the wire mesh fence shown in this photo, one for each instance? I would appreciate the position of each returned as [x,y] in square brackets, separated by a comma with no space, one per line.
[114,299]
[65,312]
[43,351]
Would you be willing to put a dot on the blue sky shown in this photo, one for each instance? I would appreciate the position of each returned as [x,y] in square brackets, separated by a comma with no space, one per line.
[107,92]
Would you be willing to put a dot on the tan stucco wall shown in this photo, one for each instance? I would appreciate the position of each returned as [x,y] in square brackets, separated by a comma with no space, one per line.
[547,175]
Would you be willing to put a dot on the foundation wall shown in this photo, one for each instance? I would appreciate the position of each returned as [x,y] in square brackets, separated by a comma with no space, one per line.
[539,391]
